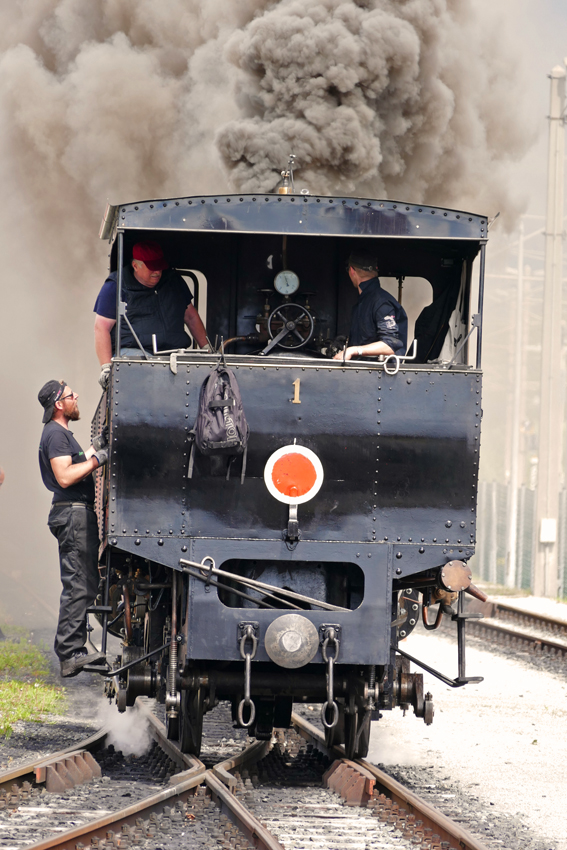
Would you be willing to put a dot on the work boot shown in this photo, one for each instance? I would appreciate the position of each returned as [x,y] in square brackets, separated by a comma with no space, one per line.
[72,666]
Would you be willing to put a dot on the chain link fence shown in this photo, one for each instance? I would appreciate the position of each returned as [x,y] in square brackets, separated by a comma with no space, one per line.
[492,523]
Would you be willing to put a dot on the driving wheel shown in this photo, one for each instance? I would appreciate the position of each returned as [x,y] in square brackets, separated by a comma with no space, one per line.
[191,721]
[351,727]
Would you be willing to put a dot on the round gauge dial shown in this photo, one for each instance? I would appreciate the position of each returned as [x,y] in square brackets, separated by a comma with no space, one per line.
[286,282]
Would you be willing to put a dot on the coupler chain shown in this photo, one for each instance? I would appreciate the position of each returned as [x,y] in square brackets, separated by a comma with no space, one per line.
[330,642]
[248,632]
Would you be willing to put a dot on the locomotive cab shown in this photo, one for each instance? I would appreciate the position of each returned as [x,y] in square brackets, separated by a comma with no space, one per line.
[295,575]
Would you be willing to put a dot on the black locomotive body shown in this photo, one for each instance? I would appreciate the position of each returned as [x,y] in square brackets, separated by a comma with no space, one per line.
[221,589]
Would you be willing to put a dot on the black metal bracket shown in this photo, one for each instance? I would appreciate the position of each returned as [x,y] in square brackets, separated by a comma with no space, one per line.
[323,631]
[462,679]
[292,533]
[460,618]
[452,683]
[242,626]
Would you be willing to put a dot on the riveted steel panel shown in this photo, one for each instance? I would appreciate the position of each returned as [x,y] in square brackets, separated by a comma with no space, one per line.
[399,455]
[298,214]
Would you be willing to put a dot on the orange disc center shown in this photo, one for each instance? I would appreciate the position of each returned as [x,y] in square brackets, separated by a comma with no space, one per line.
[293,474]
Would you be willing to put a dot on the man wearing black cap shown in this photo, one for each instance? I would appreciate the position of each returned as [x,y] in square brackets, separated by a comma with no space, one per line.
[67,472]
[158,301]
[379,324]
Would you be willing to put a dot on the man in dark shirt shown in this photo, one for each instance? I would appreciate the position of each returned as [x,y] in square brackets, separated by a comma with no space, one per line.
[379,324]
[158,301]
[67,472]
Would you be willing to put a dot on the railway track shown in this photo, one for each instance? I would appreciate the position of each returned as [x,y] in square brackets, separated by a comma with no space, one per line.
[507,625]
[286,793]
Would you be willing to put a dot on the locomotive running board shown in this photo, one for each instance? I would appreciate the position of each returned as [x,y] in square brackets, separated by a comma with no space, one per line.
[453,683]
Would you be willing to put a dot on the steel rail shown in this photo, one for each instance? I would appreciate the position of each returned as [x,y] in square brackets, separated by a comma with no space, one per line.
[221,785]
[230,806]
[430,816]
[536,643]
[502,611]
[253,753]
[128,816]
[181,788]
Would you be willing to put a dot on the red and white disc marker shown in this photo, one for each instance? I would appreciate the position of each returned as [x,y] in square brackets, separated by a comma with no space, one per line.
[293,475]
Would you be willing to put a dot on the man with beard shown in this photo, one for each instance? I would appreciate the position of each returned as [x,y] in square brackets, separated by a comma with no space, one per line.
[67,472]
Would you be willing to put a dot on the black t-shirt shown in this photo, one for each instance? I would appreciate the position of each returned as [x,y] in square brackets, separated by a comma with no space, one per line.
[57,441]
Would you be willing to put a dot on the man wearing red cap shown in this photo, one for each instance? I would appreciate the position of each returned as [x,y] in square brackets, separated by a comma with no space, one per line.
[158,301]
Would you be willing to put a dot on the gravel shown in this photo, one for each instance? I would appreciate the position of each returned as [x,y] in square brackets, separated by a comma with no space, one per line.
[495,756]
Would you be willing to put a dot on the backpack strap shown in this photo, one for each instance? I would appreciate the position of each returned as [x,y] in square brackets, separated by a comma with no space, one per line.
[243,468]
[191,436]
[222,402]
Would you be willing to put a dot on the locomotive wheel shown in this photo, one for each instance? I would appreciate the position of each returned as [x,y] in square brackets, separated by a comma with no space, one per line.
[191,722]
[363,735]
[351,726]
[172,727]
[357,734]
[121,701]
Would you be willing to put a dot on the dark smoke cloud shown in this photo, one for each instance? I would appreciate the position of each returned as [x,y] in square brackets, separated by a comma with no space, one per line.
[414,100]
[124,99]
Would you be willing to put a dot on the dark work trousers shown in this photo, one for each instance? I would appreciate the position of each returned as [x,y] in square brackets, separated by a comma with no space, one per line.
[76,530]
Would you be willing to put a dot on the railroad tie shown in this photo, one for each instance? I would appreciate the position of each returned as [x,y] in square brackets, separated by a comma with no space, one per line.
[67,771]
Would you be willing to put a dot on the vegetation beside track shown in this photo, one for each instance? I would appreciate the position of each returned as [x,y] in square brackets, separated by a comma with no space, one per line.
[24,692]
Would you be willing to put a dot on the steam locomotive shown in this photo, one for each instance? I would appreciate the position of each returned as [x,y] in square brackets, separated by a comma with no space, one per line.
[232,587]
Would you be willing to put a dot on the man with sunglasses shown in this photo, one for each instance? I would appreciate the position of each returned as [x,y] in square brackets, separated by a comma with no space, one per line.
[67,472]
[379,324]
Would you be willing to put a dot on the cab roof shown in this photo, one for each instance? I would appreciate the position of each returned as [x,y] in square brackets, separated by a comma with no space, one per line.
[301,215]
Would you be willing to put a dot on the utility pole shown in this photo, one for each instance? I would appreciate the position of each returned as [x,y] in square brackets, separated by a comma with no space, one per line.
[546,568]
[516,458]
[511,565]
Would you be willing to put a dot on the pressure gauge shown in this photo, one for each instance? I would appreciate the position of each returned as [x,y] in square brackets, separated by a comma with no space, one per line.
[286,282]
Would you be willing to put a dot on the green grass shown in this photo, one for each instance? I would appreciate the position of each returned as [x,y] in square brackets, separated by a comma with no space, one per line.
[24,693]
[27,701]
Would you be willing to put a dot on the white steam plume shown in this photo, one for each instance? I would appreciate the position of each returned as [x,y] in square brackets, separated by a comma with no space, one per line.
[129,731]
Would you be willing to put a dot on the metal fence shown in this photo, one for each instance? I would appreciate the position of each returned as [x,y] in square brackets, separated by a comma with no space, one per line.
[492,523]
